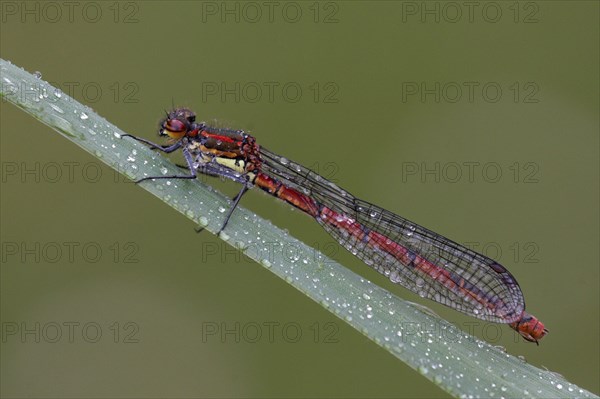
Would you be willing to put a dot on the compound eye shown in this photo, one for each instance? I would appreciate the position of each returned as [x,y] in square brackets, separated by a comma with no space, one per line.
[174,128]
[174,125]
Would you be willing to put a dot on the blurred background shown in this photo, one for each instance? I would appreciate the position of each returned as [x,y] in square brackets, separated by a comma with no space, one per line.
[478,121]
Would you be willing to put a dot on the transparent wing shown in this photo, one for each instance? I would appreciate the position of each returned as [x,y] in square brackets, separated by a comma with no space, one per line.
[422,261]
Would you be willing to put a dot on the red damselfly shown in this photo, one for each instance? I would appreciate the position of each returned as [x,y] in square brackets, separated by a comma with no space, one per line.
[422,261]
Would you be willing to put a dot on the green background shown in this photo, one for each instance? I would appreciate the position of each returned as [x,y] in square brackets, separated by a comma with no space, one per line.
[355,123]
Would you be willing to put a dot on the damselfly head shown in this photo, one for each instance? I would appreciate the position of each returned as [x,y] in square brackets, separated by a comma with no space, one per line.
[177,123]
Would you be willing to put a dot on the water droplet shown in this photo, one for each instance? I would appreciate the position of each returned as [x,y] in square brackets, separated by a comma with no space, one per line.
[395,277]
[131,175]
[224,236]
[37,74]
[63,124]
[57,108]
[83,116]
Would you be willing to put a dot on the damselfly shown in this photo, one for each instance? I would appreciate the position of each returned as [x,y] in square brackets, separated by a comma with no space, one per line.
[422,261]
